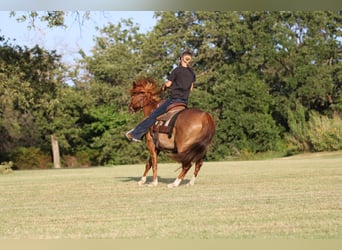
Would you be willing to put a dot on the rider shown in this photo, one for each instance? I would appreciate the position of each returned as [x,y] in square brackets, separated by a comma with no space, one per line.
[181,80]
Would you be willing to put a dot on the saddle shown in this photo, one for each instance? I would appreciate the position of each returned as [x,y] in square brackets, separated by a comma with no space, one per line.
[165,122]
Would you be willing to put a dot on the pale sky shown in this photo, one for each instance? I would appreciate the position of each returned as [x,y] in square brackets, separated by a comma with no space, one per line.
[68,41]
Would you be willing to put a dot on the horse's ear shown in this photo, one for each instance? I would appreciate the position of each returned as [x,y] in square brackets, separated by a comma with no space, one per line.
[134,83]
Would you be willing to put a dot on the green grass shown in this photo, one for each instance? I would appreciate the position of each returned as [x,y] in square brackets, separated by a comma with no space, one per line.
[288,198]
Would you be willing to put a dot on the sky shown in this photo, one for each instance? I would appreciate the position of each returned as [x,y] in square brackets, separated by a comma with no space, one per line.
[67,42]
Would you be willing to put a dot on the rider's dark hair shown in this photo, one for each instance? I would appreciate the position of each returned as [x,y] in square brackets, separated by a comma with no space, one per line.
[185,53]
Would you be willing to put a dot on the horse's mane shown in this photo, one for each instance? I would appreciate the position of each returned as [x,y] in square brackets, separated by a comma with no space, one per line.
[146,85]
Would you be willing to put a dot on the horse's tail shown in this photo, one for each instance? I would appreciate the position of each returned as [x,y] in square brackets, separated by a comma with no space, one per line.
[197,150]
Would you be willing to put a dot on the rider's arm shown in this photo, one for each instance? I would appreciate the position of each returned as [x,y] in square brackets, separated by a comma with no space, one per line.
[167,84]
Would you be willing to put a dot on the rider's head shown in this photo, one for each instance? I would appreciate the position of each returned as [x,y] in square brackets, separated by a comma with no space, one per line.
[186,58]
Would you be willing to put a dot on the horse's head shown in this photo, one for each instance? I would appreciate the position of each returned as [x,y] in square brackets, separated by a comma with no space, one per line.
[144,92]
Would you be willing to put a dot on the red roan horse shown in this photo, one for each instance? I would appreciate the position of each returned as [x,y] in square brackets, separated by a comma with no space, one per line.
[192,133]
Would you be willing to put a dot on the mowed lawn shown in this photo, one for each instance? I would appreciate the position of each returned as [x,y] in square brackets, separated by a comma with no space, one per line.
[290,198]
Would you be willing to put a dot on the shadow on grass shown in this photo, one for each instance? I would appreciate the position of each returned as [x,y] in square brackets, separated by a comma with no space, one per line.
[149,179]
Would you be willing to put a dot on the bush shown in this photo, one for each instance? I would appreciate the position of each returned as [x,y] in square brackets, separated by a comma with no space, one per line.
[85,158]
[325,134]
[297,138]
[319,133]
[31,158]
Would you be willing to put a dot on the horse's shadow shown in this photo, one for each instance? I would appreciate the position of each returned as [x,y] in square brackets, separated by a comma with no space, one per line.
[148,179]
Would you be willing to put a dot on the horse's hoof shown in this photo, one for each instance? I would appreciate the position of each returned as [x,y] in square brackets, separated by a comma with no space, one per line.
[172,185]
[190,184]
[175,183]
[142,181]
[153,184]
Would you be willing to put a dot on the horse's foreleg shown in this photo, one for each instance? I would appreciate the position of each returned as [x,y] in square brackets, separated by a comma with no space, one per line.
[185,169]
[154,182]
[197,169]
[153,159]
[147,168]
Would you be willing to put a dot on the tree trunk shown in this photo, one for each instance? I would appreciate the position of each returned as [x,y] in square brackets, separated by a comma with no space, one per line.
[55,152]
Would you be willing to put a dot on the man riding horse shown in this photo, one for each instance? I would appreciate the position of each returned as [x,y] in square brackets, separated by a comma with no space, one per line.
[181,80]
[185,132]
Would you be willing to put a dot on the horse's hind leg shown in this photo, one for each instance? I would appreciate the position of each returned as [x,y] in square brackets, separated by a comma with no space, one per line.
[185,169]
[197,169]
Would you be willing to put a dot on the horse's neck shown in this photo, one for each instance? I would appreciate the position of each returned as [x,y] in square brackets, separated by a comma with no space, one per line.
[148,109]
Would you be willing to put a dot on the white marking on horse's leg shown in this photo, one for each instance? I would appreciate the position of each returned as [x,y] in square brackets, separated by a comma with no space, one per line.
[175,183]
[142,181]
[153,183]
[192,181]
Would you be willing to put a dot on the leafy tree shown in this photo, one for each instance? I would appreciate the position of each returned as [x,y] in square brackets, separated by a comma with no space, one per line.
[16,97]
[245,119]
[31,82]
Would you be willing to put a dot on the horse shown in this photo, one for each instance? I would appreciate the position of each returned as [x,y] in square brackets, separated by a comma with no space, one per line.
[192,133]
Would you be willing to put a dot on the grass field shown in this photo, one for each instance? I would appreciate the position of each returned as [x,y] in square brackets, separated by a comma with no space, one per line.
[289,198]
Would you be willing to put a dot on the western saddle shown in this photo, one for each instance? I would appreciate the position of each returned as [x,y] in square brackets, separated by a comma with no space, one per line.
[165,122]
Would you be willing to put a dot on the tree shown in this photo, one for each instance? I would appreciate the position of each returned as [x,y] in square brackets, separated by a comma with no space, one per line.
[16,121]
[31,85]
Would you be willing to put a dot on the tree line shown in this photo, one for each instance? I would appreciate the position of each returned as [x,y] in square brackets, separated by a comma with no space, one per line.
[271,79]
